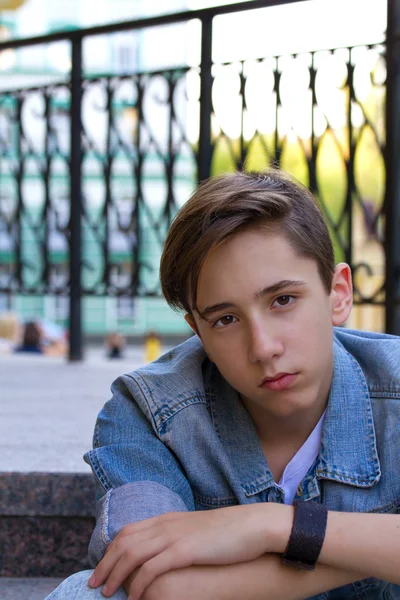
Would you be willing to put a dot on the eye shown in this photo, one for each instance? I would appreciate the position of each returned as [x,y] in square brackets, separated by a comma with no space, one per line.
[224,321]
[282,301]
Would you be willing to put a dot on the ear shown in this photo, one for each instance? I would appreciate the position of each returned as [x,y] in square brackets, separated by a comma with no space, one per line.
[341,294]
[191,322]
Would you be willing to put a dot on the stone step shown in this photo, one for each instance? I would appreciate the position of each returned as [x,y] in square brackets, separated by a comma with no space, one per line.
[46,520]
[32,588]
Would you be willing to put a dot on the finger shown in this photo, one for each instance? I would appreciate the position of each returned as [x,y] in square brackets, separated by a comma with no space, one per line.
[105,566]
[175,557]
[122,544]
[129,561]
[113,554]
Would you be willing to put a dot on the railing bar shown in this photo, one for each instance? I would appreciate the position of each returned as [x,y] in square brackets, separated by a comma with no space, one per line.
[75,247]
[205,149]
[350,163]
[392,192]
[204,13]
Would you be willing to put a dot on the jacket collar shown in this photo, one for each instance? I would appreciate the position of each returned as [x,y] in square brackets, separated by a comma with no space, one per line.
[348,445]
[238,435]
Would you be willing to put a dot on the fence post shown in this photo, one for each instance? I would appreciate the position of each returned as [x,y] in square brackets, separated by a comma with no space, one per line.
[75,246]
[205,149]
[392,198]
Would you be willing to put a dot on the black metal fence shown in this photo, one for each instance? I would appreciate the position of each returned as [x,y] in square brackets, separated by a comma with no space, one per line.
[330,117]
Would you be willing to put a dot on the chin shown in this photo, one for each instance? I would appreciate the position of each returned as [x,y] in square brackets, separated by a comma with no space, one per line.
[285,405]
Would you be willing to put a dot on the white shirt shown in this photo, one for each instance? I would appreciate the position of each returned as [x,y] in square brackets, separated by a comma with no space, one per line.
[298,467]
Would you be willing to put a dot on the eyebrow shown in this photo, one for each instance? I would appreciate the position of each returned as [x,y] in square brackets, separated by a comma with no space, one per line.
[267,291]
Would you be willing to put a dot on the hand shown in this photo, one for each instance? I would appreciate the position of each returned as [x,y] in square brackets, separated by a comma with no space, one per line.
[177,540]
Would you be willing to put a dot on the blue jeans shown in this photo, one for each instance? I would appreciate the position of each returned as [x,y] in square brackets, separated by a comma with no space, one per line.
[76,588]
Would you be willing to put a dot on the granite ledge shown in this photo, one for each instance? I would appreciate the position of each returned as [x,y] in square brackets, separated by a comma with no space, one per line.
[47,494]
[44,546]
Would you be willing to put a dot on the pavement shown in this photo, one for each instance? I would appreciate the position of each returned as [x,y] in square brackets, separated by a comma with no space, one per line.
[48,408]
[27,589]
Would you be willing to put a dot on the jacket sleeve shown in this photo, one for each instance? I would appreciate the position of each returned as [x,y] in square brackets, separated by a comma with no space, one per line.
[137,477]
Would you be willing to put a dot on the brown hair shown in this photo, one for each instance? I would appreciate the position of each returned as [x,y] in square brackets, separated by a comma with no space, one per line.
[32,334]
[228,204]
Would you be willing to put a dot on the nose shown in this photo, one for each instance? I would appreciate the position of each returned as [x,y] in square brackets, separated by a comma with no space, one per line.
[264,344]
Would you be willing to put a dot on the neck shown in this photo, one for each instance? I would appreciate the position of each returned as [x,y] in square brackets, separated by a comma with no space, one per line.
[291,430]
[281,438]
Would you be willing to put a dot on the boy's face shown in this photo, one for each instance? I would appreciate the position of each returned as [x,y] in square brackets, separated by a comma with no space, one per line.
[268,321]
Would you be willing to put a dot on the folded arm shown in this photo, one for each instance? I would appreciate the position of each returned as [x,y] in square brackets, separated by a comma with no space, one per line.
[260,579]
[369,543]
[356,546]
[362,544]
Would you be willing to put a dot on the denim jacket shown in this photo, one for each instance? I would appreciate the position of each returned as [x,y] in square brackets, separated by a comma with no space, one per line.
[176,437]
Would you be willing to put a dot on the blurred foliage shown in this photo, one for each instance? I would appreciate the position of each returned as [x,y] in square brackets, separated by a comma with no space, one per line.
[331,170]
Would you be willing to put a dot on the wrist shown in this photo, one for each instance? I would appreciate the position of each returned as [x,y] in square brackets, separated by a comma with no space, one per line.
[277,523]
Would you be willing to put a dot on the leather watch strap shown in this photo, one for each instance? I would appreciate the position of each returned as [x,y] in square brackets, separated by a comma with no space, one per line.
[307,536]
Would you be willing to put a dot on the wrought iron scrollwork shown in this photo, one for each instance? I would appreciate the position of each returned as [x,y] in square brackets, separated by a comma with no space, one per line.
[34,194]
[319,115]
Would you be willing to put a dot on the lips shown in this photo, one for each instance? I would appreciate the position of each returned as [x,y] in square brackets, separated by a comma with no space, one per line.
[280,381]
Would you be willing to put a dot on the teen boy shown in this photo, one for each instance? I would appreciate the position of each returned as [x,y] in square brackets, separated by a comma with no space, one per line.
[241,439]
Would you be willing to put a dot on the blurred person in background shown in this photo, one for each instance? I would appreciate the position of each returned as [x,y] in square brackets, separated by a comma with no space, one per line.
[115,344]
[10,331]
[36,340]
[152,345]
